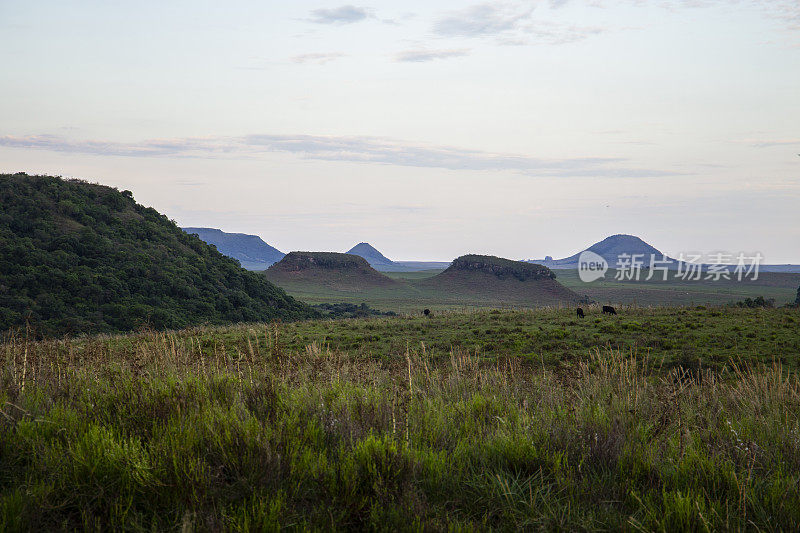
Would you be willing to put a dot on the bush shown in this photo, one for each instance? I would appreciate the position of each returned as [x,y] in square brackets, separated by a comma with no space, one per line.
[757,302]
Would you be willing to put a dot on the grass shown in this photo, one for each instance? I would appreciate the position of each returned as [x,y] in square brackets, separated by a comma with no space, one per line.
[417,274]
[413,292]
[780,286]
[688,337]
[268,426]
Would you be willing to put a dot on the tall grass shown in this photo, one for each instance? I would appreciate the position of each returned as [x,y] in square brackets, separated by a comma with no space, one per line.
[176,431]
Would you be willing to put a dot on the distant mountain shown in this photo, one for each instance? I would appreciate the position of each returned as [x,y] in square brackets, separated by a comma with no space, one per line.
[380,262]
[250,250]
[368,252]
[788,269]
[76,258]
[610,249]
[341,272]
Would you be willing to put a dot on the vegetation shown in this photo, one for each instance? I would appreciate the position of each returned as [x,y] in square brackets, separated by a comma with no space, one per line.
[260,427]
[679,292]
[667,337]
[758,301]
[81,258]
[468,290]
[502,268]
[294,261]
[345,310]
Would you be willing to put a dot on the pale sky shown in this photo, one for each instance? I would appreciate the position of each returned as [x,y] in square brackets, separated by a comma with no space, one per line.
[429,129]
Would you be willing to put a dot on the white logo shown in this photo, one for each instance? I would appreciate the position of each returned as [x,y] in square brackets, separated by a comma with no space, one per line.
[591,266]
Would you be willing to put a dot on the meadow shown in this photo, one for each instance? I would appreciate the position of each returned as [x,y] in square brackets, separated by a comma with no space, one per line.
[782,287]
[411,292]
[656,419]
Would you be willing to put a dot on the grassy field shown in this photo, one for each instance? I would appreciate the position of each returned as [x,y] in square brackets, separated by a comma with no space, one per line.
[411,293]
[656,419]
[419,274]
[782,287]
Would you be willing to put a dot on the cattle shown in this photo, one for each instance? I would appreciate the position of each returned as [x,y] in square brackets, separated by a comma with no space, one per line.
[608,310]
[427,312]
[580,313]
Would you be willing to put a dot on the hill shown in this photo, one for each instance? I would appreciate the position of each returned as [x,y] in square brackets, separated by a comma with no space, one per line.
[78,258]
[250,250]
[337,271]
[515,282]
[380,262]
[610,249]
[368,252]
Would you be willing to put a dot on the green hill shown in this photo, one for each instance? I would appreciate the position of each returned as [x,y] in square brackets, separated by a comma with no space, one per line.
[77,257]
[500,268]
[515,282]
[336,271]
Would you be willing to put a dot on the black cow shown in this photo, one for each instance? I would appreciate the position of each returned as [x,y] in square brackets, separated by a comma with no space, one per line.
[427,312]
[607,309]
[580,313]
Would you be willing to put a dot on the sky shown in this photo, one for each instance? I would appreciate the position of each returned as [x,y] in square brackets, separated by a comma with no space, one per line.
[428,129]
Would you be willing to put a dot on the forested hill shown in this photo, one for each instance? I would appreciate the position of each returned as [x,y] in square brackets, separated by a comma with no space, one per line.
[77,258]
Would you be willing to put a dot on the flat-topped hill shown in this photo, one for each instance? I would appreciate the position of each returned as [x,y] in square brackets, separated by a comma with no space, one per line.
[335,270]
[515,282]
[300,261]
[77,257]
[500,267]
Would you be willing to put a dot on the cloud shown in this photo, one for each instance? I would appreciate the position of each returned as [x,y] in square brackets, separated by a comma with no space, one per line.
[374,150]
[339,15]
[540,33]
[767,143]
[423,55]
[785,11]
[510,24]
[148,148]
[316,58]
[481,20]
[515,23]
